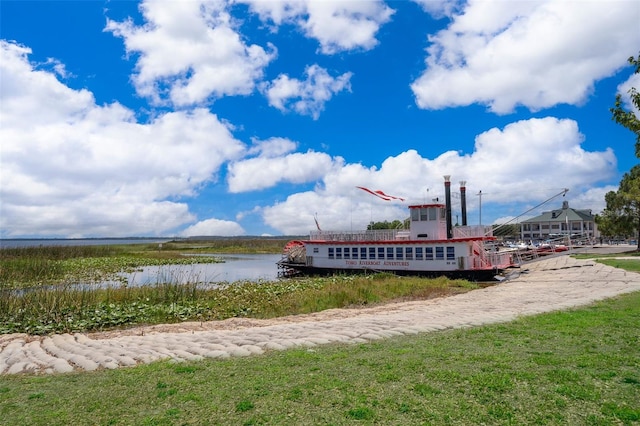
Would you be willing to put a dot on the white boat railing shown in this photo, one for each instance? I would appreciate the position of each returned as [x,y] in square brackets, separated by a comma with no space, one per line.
[472,231]
[372,235]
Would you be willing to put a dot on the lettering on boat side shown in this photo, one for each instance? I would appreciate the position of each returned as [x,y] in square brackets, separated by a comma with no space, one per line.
[374,263]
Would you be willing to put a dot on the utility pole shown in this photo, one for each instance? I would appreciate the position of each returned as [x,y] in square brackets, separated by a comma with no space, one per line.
[480,197]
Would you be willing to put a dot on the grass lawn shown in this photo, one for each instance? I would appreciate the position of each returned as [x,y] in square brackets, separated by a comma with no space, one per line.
[577,367]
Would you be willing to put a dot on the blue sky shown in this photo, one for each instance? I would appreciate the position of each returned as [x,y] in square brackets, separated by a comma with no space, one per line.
[168,118]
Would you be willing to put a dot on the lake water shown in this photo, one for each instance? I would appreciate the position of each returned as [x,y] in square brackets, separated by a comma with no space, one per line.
[236,267]
[54,242]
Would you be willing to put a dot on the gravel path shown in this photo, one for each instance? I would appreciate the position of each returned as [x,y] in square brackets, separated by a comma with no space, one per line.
[546,285]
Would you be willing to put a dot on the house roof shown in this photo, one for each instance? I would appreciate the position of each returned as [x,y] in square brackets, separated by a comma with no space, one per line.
[564,214]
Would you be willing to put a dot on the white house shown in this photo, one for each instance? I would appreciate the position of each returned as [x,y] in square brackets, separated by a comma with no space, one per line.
[561,223]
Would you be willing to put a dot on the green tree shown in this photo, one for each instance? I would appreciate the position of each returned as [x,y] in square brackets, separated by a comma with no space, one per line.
[626,118]
[396,224]
[622,214]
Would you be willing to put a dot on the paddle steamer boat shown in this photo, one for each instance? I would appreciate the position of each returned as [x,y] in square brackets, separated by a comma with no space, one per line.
[431,247]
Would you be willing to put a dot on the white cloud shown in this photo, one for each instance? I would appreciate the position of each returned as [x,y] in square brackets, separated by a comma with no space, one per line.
[537,54]
[264,172]
[305,97]
[623,90]
[191,50]
[214,227]
[337,25]
[72,168]
[520,165]
[273,147]
[439,8]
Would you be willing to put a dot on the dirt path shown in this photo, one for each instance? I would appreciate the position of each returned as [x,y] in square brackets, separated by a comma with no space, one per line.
[545,285]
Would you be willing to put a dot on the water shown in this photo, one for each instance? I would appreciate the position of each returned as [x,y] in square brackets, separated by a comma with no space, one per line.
[50,242]
[236,267]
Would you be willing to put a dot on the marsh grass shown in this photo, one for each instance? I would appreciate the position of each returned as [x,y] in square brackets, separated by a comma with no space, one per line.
[41,266]
[575,367]
[64,308]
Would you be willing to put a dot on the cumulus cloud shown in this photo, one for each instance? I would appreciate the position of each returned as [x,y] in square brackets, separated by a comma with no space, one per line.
[208,58]
[536,54]
[337,25]
[439,8]
[217,227]
[264,172]
[537,158]
[624,90]
[74,168]
[305,97]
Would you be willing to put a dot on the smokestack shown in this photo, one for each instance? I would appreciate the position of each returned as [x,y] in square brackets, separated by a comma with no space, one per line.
[463,201]
[447,198]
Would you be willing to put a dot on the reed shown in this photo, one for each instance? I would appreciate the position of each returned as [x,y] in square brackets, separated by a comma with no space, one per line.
[40,266]
[65,308]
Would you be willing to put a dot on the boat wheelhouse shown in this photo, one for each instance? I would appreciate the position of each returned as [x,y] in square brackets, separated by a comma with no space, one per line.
[431,247]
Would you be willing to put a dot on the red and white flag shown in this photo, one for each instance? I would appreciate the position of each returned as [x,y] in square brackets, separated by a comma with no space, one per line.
[380,194]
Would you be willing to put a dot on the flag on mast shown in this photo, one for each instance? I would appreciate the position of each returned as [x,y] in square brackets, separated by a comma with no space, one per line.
[378,193]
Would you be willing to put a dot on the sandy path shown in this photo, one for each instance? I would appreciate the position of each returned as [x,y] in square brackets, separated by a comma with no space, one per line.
[546,285]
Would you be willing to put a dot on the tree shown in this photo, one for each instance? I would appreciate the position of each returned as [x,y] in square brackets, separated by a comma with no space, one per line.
[626,118]
[396,224]
[622,214]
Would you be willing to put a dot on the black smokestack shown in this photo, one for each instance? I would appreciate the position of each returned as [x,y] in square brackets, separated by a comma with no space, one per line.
[447,200]
[463,201]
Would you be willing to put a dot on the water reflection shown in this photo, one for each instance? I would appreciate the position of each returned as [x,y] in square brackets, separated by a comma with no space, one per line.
[236,267]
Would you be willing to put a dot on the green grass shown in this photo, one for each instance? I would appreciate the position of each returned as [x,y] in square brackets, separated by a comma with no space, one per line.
[577,367]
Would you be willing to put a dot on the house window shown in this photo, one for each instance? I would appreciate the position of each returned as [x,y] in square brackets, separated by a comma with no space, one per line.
[439,253]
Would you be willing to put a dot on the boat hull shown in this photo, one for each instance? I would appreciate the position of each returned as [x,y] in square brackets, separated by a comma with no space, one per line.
[293,269]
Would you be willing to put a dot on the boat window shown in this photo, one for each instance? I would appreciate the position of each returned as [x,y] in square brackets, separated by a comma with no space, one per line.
[439,253]
[399,254]
[372,252]
[429,253]
[380,252]
[409,253]
[346,253]
[316,250]
[418,253]
[424,213]
[363,252]
[442,214]
[433,213]
[451,253]
[354,252]
[415,215]
[331,253]
[389,252]
[338,252]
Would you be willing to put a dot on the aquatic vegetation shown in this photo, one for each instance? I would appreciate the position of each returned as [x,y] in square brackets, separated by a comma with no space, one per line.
[65,308]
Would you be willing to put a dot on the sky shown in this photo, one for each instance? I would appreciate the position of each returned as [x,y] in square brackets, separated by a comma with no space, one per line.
[250,117]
